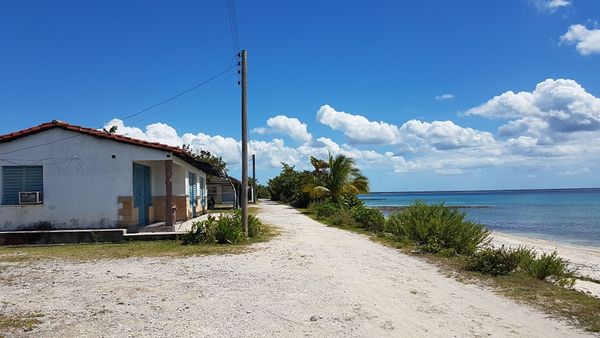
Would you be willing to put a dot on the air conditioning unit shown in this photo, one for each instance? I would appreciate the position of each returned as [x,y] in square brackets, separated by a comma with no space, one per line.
[30,197]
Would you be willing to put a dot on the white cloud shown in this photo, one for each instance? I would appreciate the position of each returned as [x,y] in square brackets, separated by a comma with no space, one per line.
[413,135]
[444,97]
[443,135]
[156,132]
[549,6]
[575,172]
[226,147]
[555,126]
[587,41]
[357,128]
[553,112]
[282,124]
[270,153]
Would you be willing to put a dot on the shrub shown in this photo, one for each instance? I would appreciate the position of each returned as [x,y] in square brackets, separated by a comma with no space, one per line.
[227,229]
[551,267]
[352,201]
[436,227]
[368,219]
[342,218]
[263,192]
[287,186]
[300,200]
[197,234]
[255,226]
[324,210]
[501,261]
[495,262]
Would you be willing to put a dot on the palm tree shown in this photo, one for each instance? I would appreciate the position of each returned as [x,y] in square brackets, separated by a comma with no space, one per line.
[338,177]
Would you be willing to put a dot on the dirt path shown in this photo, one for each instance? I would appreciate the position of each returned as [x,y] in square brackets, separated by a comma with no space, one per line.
[350,285]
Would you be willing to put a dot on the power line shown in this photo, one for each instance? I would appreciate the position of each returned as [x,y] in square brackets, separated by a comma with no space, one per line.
[178,95]
[233,26]
[128,116]
[157,112]
[40,145]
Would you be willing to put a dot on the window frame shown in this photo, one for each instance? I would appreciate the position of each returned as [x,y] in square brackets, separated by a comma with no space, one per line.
[30,180]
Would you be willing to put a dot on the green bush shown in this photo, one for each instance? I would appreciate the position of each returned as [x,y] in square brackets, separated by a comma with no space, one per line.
[502,261]
[352,201]
[255,226]
[495,262]
[342,218]
[325,209]
[551,267]
[436,227]
[287,186]
[368,219]
[263,192]
[197,234]
[226,229]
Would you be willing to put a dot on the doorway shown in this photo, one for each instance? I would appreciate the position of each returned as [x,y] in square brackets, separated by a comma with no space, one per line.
[142,194]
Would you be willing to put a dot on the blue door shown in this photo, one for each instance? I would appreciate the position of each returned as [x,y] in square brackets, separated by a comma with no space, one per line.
[193,193]
[142,196]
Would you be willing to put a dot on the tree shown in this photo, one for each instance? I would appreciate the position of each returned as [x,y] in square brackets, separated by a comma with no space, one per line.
[339,177]
[287,186]
[112,130]
[205,156]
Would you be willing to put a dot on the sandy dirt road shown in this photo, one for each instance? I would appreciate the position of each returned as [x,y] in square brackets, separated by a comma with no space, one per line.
[350,286]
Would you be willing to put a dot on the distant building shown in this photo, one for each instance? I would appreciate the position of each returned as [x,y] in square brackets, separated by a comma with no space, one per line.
[224,191]
[60,176]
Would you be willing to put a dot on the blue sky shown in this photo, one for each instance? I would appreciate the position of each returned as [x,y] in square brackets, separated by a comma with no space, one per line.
[359,78]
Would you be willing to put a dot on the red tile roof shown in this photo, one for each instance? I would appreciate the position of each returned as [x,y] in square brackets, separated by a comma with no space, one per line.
[179,152]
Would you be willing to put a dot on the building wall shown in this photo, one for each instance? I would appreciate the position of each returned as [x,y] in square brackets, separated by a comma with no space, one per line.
[82,180]
[223,193]
[181,189]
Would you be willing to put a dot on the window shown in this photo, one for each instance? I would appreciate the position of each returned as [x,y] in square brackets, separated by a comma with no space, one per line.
[203,191]
[16,179]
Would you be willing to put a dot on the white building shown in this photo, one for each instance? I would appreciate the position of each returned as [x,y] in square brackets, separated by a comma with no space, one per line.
[61,176]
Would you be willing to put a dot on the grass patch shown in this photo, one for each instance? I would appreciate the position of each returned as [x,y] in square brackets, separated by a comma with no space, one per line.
[86,252]
[19,322]
[171,248]
[552,299]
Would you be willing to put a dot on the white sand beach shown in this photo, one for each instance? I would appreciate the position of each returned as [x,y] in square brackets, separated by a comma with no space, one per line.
[349,285]
[584,259]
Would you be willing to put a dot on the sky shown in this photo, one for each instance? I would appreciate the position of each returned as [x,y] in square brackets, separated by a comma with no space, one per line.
[424,95]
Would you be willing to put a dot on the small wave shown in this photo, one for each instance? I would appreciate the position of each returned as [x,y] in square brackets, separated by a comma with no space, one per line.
[402,207]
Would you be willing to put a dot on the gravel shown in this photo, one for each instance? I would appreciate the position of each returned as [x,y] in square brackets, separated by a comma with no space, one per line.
[311,280]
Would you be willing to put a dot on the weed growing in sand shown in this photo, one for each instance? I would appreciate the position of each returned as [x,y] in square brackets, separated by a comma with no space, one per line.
[18,322]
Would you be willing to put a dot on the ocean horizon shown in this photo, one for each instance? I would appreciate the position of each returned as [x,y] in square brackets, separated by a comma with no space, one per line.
[565,215]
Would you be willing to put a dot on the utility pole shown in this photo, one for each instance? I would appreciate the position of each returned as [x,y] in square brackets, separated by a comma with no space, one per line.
[244,144]
[254,184]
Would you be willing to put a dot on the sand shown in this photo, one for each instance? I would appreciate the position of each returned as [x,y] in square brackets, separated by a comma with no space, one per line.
[584,259]
[311,280]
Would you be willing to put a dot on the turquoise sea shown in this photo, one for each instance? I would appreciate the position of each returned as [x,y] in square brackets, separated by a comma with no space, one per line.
[563,215]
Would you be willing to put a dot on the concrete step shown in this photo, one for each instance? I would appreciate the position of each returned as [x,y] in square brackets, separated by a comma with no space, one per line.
[153,236]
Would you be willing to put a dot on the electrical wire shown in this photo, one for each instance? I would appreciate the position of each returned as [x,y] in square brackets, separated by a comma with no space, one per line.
[178,95]
[155,113]
[129,116]
[233,26]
